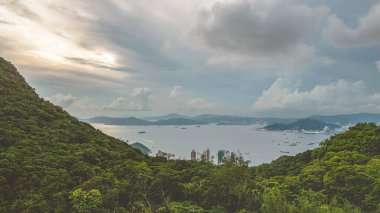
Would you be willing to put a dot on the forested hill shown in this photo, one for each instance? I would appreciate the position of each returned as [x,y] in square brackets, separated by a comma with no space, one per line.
[51,162]
[302,124]
[44,152]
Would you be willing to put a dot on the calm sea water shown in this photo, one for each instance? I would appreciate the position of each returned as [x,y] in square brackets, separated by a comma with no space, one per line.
[255,145]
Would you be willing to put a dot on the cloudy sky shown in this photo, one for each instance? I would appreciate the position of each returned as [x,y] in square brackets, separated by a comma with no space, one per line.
[282,58]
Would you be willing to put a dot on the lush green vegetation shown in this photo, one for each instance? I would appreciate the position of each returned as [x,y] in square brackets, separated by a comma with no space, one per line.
[51,162]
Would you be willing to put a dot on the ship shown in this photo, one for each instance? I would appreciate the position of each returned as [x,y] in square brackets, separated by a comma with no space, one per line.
[311,132]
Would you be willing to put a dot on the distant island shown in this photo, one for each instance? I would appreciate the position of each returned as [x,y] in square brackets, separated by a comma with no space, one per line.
[143,149]
[306,124]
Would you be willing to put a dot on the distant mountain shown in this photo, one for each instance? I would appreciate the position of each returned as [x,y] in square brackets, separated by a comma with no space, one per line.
[178,121]
[165,117]
[349,118]
[119,121]
[211,118]
[132,121]
[240,120]
[303,124]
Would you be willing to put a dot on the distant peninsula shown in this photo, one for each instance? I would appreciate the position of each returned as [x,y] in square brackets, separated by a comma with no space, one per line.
[306,124]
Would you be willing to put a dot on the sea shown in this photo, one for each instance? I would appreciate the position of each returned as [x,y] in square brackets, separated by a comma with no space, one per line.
[254,145]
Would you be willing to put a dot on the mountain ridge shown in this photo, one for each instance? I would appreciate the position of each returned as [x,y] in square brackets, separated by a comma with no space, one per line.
[340,119]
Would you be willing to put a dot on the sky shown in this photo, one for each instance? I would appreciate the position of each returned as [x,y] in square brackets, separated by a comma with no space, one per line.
[277,58]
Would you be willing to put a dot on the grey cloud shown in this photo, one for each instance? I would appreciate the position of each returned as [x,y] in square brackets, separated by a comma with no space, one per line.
[5,22]
[138,37]
[258,27]
[90,62]
[19,8]
[365,34]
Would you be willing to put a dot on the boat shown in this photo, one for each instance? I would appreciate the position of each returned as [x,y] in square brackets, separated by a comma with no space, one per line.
[183,128]
[284,152]
[311,132]
[293,144]
[310,144]
[142,132]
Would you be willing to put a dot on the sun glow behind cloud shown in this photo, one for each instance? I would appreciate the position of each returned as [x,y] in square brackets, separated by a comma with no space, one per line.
[45,45]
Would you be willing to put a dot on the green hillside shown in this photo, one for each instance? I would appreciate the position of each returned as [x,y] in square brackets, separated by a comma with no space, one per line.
[45,153]
[51,162]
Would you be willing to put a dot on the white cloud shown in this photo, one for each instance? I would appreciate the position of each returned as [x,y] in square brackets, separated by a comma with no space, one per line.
[285,98]
[365,34]
[181,100]
[70,102]
[176,91]
[62,100]
[138,100]
[198,104]
[378,64]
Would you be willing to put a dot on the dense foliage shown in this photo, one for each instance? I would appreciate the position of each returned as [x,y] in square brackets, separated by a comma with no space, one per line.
[51,162]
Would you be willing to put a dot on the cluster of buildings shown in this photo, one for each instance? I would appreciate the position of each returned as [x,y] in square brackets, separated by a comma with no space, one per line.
[205,156]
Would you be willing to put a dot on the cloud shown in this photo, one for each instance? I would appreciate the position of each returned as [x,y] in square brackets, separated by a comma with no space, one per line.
[198,104]
[365,34]
[62,100]
[261,28]
[261,34]
[285,98]
[301,55]
[70,102]
[378,65]
[138,100]
[37,42]
[181,100]
[176,91]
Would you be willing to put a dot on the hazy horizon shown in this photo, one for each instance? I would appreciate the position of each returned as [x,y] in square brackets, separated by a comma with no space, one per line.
[275,58]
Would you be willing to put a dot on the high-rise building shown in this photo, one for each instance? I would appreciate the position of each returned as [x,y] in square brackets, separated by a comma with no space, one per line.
[206,155]
[221,154]
[193,155]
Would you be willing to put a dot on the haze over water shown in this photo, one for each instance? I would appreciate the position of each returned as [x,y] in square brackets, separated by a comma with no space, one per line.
[255,145]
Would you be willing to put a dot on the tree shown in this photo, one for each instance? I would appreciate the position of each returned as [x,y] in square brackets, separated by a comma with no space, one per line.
[86,201]
[274,201]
